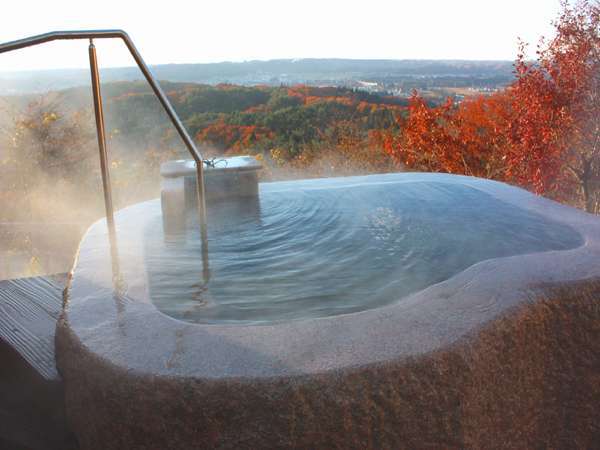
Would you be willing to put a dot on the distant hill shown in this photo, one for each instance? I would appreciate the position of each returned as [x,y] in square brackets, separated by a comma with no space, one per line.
[225,118]
[339,72]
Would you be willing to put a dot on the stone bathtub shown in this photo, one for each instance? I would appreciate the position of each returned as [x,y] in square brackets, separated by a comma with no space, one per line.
[497,354]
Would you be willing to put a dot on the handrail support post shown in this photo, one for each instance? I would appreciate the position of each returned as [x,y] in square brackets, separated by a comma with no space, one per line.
[100,131]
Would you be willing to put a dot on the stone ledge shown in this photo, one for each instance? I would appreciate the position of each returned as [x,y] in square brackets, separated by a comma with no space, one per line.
[527,380]
[412,374]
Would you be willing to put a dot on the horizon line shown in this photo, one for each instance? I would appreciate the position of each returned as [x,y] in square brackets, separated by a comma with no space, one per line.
[270,60]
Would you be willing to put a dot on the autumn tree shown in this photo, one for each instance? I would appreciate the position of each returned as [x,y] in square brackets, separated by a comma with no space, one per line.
[46,159]
[44,147]
[343,149]
[467,138]
[542,132]
[555,133]
[46,140]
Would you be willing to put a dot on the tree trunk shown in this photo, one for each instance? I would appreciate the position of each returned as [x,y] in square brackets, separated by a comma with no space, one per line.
[585,185]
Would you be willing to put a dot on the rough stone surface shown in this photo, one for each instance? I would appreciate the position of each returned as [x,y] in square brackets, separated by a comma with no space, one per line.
[502,355]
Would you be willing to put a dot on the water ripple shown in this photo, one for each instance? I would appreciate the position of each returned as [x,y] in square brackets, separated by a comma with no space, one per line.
[322,252]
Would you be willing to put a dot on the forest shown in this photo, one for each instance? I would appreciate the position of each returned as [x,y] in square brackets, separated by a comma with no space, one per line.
[228,118]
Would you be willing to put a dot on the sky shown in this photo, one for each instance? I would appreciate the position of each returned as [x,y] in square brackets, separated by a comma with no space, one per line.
[177,31]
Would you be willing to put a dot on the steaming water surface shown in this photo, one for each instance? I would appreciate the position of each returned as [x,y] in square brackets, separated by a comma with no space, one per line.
[301,253]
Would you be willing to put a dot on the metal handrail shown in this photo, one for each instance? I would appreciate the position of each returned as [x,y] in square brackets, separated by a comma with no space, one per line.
[189,143]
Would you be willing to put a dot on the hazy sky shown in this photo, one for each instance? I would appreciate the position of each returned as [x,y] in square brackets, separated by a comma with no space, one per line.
[176,31]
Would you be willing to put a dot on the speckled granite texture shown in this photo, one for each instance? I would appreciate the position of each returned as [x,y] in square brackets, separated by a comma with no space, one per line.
[529,380]
[503,355]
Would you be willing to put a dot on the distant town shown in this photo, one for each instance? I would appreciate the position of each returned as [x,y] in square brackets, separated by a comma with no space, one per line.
[458,79]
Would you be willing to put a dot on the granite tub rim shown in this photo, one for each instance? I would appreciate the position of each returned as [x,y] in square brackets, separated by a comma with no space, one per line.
[578,220]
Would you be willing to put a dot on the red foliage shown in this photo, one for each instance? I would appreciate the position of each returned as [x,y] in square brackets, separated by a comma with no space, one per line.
[457,139]
[233,137]
[543,132]
[312,95]
[556,128]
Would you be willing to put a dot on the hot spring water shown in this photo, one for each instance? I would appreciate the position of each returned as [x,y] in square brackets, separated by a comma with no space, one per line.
[320,248]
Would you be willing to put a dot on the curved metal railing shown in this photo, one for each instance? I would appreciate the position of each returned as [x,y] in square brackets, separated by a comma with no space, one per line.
[95,78]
